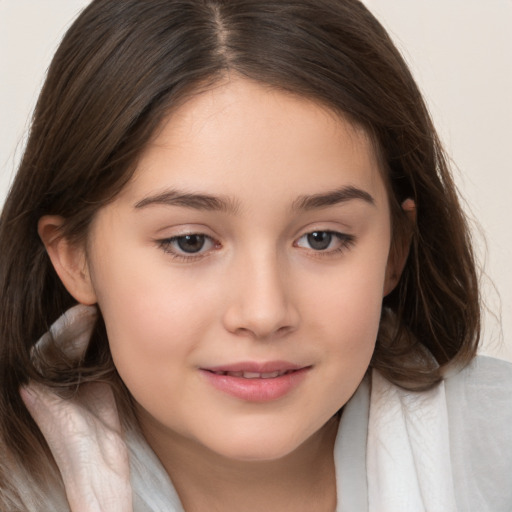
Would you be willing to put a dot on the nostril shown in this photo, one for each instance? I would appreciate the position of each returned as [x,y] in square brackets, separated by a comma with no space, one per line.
[261,334]
[285,329]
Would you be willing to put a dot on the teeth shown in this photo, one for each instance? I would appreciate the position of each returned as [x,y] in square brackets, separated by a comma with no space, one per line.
[251,375]
[254,375]
[270,375]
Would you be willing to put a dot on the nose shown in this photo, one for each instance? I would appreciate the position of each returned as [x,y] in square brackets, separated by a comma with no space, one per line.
[261,303]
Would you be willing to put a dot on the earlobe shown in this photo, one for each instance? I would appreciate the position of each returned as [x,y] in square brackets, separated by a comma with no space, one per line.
[69,260]
[400,249]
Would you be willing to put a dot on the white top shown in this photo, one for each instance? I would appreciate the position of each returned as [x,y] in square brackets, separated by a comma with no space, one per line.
[478,448]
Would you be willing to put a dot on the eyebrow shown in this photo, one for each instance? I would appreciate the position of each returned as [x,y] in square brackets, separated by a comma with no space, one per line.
[208,202]
[190,200]
[332,198]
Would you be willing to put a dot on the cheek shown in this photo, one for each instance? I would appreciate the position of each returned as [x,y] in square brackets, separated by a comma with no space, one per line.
[347,317]
[153,319]
[152,340]
[349,301]
[350,320]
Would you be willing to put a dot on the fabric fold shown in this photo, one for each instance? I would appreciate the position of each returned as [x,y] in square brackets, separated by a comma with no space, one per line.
[84,432]
[408,452]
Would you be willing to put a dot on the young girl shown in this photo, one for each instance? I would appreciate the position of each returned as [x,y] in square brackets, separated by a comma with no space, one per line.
[239,220]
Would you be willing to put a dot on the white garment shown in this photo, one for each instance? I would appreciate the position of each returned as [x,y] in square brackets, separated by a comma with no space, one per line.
[447,449]
[476,443]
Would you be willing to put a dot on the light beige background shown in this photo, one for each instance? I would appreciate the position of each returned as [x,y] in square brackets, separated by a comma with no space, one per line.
[460,52]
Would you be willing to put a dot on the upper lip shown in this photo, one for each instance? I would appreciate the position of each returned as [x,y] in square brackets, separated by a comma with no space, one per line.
[255,367]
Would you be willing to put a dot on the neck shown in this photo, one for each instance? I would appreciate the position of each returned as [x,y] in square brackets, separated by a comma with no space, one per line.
[207,481]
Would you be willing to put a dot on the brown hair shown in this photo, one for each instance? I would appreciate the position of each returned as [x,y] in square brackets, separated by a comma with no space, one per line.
[122,66]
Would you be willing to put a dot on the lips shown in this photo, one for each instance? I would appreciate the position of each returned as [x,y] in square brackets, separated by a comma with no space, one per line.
[255,382]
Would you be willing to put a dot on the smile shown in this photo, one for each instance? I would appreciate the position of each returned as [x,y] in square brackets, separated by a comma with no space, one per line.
[256,383]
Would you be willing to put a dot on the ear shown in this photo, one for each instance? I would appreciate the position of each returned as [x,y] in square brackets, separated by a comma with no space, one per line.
[400,249]
[69,260]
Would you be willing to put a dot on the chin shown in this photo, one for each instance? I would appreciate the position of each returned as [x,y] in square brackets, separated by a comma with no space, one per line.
[257,446]
[257,453]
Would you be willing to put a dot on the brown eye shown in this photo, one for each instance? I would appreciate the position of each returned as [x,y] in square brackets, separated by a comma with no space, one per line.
[190,243]
[319,240]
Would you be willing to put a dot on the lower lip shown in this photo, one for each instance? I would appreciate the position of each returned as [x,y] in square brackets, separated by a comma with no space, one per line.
[257,390]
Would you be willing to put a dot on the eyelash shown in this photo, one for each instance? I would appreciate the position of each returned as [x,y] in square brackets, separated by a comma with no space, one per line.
[168,245]
[345,242]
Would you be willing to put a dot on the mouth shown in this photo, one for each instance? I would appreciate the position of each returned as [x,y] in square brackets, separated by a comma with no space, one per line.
[255,370]
[253,382]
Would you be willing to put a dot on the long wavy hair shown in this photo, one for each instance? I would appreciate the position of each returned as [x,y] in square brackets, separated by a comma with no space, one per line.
[121,67]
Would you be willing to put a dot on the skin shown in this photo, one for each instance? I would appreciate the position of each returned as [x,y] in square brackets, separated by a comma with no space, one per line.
[256,291]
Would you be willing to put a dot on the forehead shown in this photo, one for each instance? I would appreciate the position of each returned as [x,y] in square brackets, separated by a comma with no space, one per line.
[241,137]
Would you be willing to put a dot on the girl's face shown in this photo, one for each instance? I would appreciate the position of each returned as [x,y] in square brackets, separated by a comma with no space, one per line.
[241,271]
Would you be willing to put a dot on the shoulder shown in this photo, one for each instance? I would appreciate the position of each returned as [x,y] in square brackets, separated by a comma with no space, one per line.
[483,367]
[484,385]
[479,402]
